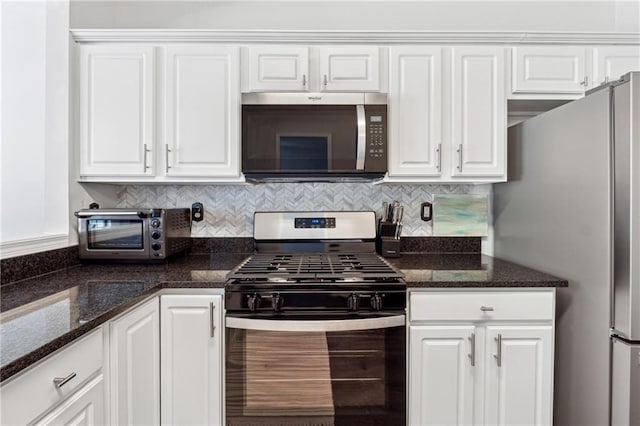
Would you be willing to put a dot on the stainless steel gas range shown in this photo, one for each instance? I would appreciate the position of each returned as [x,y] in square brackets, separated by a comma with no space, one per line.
[315,325]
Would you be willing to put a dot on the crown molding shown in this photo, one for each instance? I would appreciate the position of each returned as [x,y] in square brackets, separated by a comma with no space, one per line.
[350,37]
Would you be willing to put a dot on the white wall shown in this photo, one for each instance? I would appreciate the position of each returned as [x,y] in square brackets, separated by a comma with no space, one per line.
[451,15]
[34,121]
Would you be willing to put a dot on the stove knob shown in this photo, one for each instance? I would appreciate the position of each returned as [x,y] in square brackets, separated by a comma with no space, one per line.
[277,301]
[253,302]
[155,235]
[155,223]
[376,302]
[352,302]
[156,246]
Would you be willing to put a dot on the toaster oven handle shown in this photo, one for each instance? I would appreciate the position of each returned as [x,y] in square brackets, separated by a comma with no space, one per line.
[361,146]
[319,325]
[141,214]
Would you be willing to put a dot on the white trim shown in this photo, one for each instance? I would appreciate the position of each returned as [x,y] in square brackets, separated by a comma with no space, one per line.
[352,37]
[33,245]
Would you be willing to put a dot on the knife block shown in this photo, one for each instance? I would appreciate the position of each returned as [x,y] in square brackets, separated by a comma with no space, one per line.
[389,247]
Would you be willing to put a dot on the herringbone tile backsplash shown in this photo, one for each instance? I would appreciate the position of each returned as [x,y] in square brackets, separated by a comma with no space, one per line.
[229,208]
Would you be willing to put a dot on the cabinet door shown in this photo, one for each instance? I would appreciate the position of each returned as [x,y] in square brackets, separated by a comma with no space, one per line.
[278,68]
[479,122]
[549,69]
[519,377]
[610,62]
[202,111]
[83,408]
[441,383]
[191,354]
[415,105]
[349,68]
[135,366]
[117,110]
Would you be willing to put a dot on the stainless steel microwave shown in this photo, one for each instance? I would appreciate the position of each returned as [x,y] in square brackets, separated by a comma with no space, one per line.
[314,136]
[133,234]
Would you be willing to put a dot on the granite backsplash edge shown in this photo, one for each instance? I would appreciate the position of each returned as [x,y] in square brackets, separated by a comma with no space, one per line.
[22,267]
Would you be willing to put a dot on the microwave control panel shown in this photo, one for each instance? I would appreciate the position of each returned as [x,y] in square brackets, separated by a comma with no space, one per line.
[376,155]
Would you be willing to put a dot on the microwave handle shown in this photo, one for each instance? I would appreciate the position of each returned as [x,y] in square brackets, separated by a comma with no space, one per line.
[141,214]
[361,147]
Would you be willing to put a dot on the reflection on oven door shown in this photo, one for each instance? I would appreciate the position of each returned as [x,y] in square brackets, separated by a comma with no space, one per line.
[307,378]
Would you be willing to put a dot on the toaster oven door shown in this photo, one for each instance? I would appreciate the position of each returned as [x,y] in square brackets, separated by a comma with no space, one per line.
[114,237]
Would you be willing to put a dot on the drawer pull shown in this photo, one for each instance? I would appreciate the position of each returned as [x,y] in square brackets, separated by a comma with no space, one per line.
[486,308]
[61,381]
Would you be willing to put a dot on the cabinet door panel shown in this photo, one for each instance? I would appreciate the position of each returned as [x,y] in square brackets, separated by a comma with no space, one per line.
[479,112]
[610,62]
[415,105]
[202,110]
[441,383]
[191,359]
[84,408]
[116,110]
[519,375]
[274,68]
[350,68]
[549,69]
[135,366]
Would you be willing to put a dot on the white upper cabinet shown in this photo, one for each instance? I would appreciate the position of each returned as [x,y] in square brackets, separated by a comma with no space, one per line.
[117,110]
[415,111]
[185,127]
[349,68]
[479,113]
[275,68]
[202,111]
[610,62]
[558,70]
[314,69]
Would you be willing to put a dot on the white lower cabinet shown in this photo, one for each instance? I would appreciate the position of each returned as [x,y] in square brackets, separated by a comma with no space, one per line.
[135,366]
[493,370]
[191,359]
[65,388]
[84,408]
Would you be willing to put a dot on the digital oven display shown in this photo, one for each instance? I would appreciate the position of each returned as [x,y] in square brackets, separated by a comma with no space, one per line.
[315,222]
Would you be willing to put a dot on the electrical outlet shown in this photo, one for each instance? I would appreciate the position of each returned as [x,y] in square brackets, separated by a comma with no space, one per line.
[197,212]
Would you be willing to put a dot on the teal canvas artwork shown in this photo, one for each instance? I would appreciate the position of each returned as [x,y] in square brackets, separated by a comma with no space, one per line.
[460,215]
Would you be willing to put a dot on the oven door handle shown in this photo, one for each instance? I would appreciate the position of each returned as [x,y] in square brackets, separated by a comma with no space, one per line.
[316,325]
[141,214]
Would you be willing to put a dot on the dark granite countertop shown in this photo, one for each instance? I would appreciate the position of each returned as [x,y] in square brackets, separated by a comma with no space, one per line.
[42,314]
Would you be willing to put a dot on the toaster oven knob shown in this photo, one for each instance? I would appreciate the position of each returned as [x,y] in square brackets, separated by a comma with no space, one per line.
[277,302]
[376,302]
[352,302]
[253,302]
[155,223]
[156,246]
[155,235]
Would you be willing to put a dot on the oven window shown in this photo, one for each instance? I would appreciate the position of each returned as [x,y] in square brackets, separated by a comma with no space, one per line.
[120,234]
[341,378]
[298,153]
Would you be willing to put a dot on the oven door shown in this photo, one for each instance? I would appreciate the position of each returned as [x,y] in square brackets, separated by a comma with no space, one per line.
[113,236]
[316,372]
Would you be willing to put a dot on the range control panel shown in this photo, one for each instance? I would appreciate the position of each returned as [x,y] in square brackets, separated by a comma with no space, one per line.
[315,222]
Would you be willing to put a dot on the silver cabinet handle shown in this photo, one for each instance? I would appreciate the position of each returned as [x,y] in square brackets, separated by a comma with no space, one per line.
[472,354]
[361,142]
[304,80]
[498,356]
[459,151]
[325,81]
[486,308]
[61,381]
[439,155]
[585,82]
[166,158]
[213,321]
[144,158]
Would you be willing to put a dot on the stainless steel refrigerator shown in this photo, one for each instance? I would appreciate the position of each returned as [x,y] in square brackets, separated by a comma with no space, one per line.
[571,207]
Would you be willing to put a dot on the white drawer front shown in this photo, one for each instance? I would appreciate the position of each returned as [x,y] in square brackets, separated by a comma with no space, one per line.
[481,306]
[30,394]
